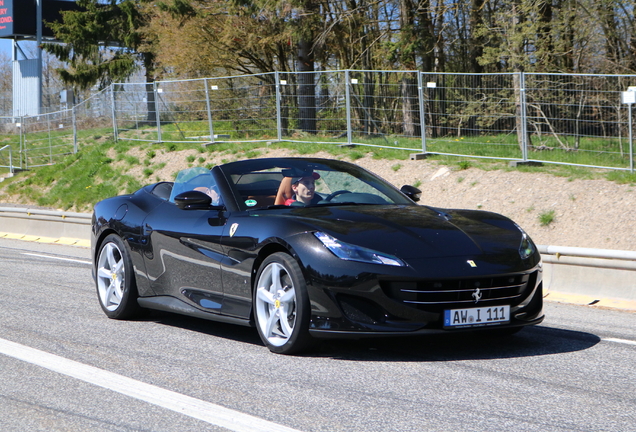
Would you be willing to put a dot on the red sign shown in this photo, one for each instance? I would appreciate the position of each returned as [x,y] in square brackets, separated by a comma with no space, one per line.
[18,17]
[6,17]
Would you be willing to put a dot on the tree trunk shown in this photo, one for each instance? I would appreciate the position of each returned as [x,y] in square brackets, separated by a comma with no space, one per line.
[306,88]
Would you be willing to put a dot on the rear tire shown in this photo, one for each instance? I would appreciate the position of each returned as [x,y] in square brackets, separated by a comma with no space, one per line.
[115,280]
[281,305]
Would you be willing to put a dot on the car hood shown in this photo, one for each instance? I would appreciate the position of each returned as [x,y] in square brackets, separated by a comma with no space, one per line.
[415,231]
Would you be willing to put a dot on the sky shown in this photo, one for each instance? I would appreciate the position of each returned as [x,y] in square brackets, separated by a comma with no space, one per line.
[5,46]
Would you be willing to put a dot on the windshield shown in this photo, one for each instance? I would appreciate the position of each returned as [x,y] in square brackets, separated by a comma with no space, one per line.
[264,183]
[197,178]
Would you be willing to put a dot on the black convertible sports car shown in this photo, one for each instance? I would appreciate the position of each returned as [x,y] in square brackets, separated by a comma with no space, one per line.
[304,248]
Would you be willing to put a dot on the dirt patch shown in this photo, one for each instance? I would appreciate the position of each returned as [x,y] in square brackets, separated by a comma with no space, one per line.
[585,213]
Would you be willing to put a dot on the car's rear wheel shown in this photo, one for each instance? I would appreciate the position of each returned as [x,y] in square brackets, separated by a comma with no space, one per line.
[281,305]
[115,280]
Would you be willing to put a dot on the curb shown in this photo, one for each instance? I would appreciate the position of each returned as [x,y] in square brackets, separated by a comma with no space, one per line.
[50,240]
[590,301]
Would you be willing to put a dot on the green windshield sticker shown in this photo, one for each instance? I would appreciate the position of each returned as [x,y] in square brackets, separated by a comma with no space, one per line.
[250,203]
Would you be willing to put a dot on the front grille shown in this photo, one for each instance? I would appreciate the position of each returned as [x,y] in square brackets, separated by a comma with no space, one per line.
[453,291]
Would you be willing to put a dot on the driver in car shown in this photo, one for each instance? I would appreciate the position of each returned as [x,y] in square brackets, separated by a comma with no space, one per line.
[304,188]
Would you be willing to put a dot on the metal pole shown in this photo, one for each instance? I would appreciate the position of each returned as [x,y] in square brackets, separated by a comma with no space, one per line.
[524,119]
[156,92]
[420,90]
[279,121]
[48,125]
[74,129]
[23,134]
[207,103]
[348,106]
[631,140]
[114,112]
[38,23]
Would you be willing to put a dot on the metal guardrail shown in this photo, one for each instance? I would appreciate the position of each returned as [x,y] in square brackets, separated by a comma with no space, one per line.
[47,224]
[56,215]
[556,254]
[587,257]
[603,277]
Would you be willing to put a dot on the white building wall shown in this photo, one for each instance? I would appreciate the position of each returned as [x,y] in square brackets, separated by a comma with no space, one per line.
[26,83]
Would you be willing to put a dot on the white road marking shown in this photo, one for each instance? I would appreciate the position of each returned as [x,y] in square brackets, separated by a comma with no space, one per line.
[621,341]
[57,258]
[186,405]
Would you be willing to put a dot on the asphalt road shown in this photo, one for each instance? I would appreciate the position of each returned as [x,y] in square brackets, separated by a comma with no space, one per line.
[65,367]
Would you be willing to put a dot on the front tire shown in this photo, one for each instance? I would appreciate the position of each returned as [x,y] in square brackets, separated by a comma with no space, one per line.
[115,280]
[281,305]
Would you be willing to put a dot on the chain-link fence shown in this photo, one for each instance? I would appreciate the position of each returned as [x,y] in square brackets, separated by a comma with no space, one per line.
[31,141]
[9,144]
[548,118]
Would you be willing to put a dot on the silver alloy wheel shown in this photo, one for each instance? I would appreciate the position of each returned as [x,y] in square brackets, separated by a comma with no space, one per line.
[276,304]
[111,276]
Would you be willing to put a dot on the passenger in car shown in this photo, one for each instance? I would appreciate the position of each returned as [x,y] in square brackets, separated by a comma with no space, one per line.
[304,189]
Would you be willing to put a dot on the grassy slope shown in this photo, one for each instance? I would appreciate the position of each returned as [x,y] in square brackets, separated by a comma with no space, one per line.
[104,169]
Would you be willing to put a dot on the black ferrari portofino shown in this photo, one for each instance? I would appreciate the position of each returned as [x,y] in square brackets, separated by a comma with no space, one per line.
[304,248]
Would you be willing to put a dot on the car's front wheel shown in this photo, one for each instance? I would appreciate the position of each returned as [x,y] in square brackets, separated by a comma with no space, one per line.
[115,280]
[281,305]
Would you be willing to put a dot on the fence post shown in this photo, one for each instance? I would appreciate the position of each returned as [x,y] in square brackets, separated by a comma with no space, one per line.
[524,116]
[420,93]
[348,106]
[631,139]
[156,92]
[74,120]
[207,103]
[48,125]
[23,146]
[279,122]
[114,113]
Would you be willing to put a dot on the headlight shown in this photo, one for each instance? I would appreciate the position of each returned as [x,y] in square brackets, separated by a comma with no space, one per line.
[526,248]
[351,252]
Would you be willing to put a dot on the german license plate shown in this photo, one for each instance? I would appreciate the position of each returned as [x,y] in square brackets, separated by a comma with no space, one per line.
[475,317]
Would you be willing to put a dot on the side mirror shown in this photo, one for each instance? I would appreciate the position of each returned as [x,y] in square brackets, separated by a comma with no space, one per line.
[412,192]
[193,200]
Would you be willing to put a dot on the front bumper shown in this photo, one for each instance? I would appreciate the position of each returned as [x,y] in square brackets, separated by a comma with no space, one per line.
[402,306]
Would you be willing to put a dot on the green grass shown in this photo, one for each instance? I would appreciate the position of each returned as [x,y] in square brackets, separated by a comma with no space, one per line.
[77,181]
[546,218]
